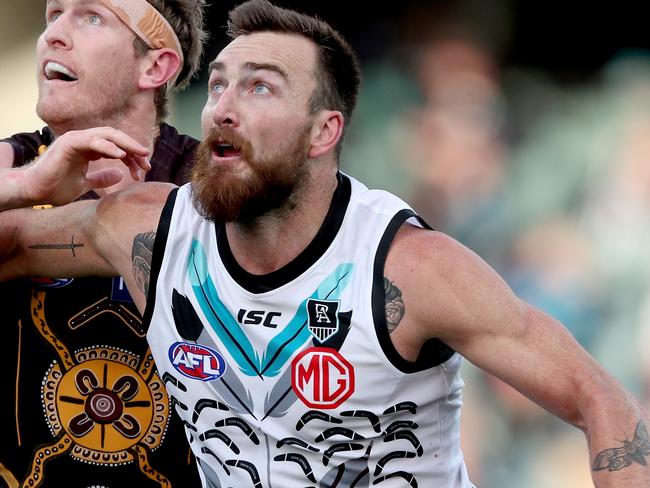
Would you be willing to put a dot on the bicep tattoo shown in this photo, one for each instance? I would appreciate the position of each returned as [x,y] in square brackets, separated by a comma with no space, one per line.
[394,305]
[634,451]
[141,255]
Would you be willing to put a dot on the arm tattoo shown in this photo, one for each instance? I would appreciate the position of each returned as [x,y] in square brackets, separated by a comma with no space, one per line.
[70,247]
[141,255]
[394,305]
[634,451]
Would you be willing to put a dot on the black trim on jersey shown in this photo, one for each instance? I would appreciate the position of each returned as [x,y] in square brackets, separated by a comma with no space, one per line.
[434,352]
[158,253]
[326,234]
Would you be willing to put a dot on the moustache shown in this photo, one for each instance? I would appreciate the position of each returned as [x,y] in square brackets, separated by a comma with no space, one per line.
[219,136]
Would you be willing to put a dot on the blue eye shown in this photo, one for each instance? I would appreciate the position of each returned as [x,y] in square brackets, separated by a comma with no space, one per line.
[53,17]
[260,89]
[94,20]
[216,87]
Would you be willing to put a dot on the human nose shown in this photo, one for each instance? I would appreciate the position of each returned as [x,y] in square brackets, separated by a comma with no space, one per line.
[225,109]
[56,33]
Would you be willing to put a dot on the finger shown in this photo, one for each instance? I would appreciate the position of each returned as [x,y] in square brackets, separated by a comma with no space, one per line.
[106,148]
[143,163]
[135,166]
[103,178]
[126,142]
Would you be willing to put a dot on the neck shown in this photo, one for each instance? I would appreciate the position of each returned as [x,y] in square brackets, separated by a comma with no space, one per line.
[276,239]
[139,123]
[138,120]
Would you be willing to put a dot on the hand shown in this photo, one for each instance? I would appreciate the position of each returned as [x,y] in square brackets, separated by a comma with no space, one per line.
[61,175]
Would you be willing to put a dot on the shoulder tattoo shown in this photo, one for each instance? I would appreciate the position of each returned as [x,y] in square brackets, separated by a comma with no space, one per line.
[394,305]
[634,451]
[141,255]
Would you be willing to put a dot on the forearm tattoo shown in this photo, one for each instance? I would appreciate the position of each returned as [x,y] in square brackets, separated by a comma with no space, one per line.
[394,305]
[634,451]
[141,259]
[72,246]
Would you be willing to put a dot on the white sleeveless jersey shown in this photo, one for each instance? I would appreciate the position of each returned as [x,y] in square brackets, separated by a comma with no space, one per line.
[290,380]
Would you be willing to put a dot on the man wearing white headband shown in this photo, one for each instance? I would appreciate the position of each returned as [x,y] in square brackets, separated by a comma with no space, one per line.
[82,404]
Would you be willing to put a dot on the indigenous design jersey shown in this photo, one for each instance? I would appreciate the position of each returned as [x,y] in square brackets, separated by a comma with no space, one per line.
[82,402]
[290,379]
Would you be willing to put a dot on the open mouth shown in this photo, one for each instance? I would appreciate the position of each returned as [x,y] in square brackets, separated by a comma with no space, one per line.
[224,150]
[56,71]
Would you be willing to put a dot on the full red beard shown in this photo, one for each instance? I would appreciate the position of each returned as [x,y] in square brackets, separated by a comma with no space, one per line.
[221,194]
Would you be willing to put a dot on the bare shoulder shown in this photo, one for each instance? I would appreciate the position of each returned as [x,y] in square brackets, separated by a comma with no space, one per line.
[126,232]
[132,211]
[430,258]
[449,292]
[412,244]
[133,207]
[152,194]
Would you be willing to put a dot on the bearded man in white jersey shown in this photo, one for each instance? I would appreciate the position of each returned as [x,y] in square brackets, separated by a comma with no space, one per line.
[309,330]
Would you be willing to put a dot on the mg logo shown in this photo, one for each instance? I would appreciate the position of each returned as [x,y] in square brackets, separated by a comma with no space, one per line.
[322,378]
[196,361]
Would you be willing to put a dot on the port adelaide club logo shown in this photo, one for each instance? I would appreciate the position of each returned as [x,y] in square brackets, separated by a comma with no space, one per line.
[323,318]
[196,361]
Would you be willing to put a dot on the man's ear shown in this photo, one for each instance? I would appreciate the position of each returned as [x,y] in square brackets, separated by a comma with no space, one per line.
[161,66]
[326,133]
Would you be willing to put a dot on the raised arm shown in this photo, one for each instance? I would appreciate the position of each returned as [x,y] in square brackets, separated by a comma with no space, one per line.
[61,174]
[107,237]
[448,292]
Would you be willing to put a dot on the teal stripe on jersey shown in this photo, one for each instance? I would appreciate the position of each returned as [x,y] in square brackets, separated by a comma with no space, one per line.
[296,333]
[219,318]
[282,346]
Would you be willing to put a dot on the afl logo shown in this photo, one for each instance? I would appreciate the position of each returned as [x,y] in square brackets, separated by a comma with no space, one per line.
[322,378]
[196,361]
[50,282]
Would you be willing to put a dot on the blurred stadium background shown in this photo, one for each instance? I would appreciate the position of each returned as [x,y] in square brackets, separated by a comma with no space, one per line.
[522,129]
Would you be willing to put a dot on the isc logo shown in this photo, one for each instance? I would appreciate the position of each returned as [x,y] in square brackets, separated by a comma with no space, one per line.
[258,317]
[322,378]
[196,361]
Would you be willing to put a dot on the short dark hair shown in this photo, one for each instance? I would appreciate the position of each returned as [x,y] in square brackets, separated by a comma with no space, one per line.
[186,17]
[338,72]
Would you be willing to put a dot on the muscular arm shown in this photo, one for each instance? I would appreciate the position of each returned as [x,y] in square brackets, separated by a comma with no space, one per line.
[450,293]
[107,237]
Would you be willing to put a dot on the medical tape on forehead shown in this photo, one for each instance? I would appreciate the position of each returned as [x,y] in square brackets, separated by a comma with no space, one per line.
[148,24]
